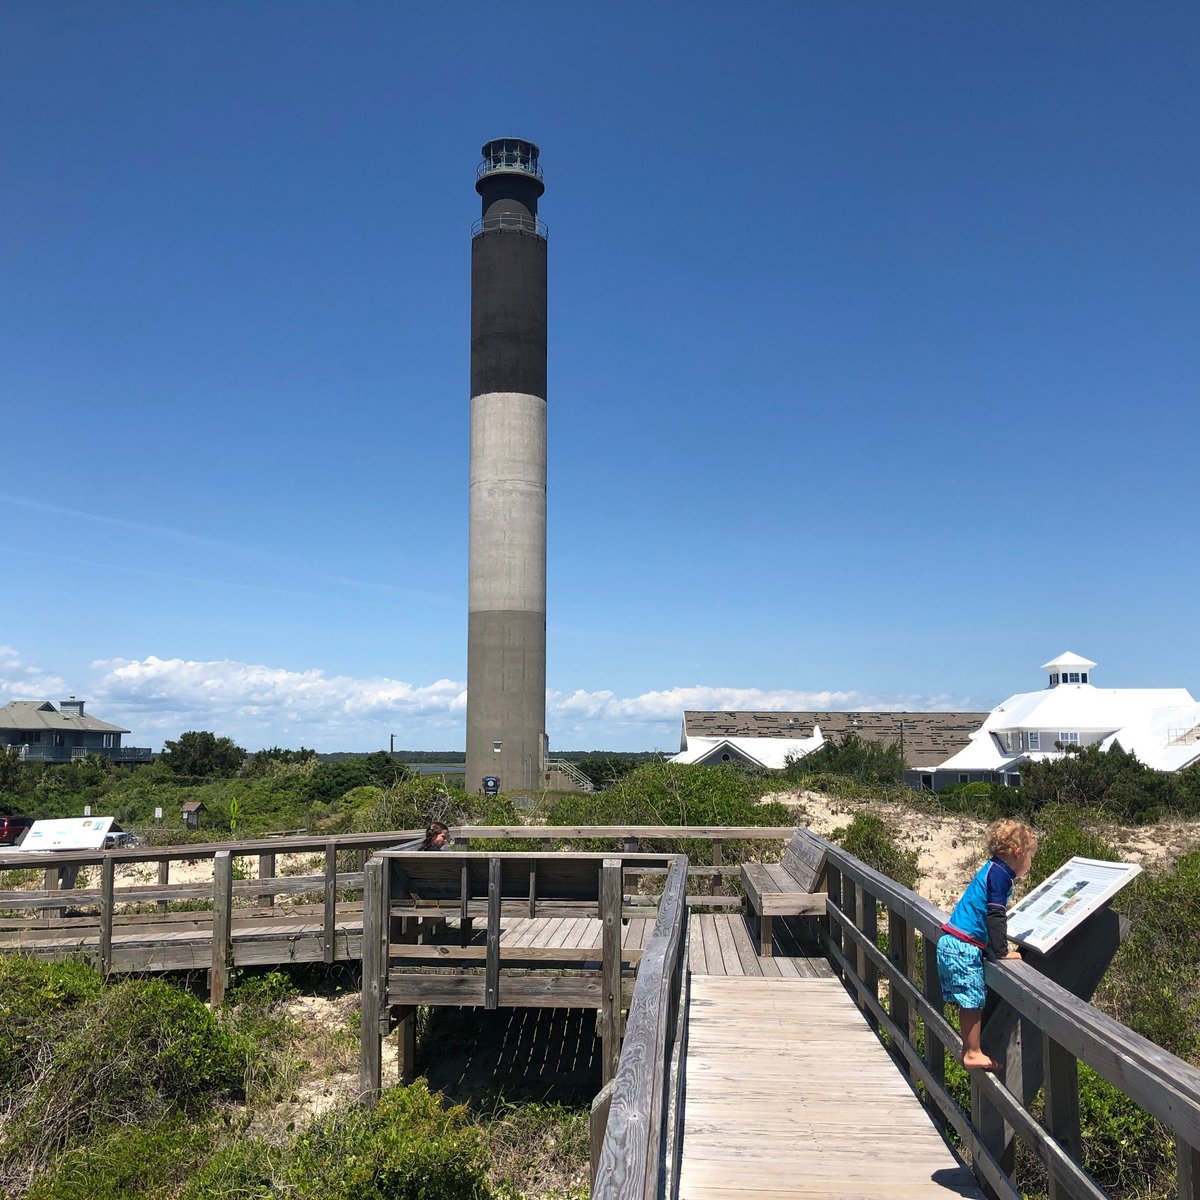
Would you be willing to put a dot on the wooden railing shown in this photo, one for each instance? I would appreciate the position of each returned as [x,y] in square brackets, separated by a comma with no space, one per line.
[97,909]
[635,1122]
[1044,1025]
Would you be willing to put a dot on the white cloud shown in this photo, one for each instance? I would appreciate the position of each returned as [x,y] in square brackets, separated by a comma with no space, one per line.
[260,705]
[20,680]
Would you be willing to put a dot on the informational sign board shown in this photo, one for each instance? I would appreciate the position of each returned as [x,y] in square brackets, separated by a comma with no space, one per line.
[1060,903]
[67,833]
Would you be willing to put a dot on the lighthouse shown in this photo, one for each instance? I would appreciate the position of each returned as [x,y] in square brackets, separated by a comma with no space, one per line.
[506,622]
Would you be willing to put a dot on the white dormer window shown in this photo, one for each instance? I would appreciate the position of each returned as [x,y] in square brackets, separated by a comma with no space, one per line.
[1035,739]
[1068,668]
[1008,740]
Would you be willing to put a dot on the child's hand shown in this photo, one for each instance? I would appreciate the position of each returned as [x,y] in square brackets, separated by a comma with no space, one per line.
[1013,954]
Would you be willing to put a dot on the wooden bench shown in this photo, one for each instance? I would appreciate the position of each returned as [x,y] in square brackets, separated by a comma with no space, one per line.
[792,887]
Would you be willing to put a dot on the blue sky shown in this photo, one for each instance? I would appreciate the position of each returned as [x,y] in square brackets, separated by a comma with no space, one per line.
[873,356]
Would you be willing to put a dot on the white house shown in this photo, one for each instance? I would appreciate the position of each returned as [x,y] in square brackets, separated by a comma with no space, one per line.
[1160,725]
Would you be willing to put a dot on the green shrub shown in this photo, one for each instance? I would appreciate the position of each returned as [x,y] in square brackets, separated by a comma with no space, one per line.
[35,998]
[537,1149]
[413,803]
[867,838]
[141,1050]
[664,793]
[1153,985]
[147,1162]
[853,756]
[1061,836]
[407,1147]
[1124,1147]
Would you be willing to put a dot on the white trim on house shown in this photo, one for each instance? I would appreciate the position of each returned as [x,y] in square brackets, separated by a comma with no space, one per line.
[768,752]
[1160,725]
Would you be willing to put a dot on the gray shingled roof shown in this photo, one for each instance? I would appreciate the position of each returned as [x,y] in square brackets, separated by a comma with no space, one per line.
[928,738]
[41,714]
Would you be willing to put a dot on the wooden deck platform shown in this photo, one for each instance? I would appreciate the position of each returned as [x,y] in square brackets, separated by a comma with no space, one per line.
[789,1094]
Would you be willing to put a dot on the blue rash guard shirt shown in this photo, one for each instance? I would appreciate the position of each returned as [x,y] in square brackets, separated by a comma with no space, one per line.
[987,896]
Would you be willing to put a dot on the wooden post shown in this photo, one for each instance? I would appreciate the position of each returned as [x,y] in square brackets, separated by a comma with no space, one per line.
[1062,1106]
[1078,964]
[610,958]
[51,882]
[374,978]
[406,1043]
[868,922]
[164,880]
[533,866]
[491,984]
[849,946]
[1187,1159]
[899,954]
[464,917]
[266,870]
[718,859]
[935,1052]
[107,887]
[833,884]
[598,1125]
[329,932]
[222,927]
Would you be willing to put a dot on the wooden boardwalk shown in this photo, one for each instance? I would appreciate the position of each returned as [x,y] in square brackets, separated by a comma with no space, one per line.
[789,1093]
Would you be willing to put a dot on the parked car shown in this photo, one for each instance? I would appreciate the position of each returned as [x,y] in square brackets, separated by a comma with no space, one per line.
[119,840]
[12,829]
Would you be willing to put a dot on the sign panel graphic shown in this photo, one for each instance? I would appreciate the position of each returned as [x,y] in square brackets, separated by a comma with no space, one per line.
[1058,904]
[67,833]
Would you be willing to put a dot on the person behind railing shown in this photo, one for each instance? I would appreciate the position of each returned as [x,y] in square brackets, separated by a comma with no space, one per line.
[435,838]
[978,928]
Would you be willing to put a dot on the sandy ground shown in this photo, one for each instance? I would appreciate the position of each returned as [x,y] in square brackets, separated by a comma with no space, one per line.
[952,847]
[200,870]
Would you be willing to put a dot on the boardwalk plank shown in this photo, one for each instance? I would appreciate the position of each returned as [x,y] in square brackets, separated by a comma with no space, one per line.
[790,1094]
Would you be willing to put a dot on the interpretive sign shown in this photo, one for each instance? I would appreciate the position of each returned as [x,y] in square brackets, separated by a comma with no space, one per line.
[67,833]
[1058,904]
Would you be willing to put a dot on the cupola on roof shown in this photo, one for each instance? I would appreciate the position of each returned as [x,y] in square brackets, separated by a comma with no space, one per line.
[1068,662]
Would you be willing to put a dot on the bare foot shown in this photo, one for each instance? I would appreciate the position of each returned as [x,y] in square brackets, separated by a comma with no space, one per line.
[979,1061]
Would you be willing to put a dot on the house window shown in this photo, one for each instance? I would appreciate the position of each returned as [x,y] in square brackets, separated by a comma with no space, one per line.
[964,778]
[497,747]
[58,739]
[32,735]
[1035,739]
[927,783]
[1013,780]
[1054,679]
[1008,740]
[1070,677]
[1083,677]
[110,741]
[1069,739]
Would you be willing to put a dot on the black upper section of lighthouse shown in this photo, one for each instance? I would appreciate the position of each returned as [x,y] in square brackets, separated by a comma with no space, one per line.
[508,273]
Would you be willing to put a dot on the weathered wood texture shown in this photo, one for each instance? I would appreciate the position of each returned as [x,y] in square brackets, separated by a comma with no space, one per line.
[634,1152]
[789,1094]
[791,887]
[1047,1013]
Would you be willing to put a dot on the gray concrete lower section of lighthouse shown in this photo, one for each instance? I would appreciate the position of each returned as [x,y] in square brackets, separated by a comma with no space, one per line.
[506,638]
[508,649]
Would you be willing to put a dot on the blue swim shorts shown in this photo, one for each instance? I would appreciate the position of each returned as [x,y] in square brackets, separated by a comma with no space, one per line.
[960,970]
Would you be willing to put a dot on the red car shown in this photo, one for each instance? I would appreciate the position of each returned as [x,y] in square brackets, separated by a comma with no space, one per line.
[11,829]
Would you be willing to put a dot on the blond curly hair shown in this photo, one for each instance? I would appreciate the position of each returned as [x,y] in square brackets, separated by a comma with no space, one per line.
[1010,837]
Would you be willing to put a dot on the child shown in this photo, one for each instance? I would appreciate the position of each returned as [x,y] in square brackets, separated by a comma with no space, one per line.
[978,926]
